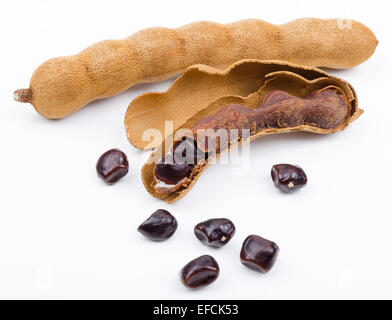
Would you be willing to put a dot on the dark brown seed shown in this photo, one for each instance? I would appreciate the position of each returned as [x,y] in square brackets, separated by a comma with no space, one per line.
[215,232]
[259,254]
[159,226]
[200,272]
[288,177]
[112,166]
[171,172]
[187,151]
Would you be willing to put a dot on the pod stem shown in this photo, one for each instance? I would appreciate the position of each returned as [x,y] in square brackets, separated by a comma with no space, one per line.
[23,95]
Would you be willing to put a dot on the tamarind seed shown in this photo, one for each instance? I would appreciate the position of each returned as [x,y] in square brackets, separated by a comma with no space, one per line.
[200,272]
[215,232]
[187,151]
[160,226]
[112,166]
[288,178]
[170,172]
[259,254]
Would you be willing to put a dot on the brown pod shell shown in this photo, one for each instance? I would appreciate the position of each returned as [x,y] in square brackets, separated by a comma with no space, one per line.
[63,85]
[258,80]
[203,90]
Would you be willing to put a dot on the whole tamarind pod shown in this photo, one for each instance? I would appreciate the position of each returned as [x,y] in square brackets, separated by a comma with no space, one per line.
[61,86]
[285,102]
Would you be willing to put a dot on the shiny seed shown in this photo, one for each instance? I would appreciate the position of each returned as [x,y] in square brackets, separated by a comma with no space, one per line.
[200,272]
[160,226]
[259,254]
[112,166]
[215,232]
[171,172]
[288,178]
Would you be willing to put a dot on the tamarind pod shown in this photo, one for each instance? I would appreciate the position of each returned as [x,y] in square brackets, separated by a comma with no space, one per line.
[203,89]
[285,102]
[61,86]
[326,109]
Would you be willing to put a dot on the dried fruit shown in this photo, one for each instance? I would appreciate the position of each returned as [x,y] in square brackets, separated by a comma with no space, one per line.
[61,86]
[200,272]
[160,226]
[215,232]
[112,166]
[325,105]
[259,254]
[202,91]
[288,177]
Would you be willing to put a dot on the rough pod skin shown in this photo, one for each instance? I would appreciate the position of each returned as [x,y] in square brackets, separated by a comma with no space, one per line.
[259,254]
[61,86]
[112,166]
[288,177]
[200,272]
[160,226]
[215,232]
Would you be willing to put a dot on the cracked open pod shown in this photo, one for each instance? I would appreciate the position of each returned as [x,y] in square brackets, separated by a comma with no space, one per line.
[213,110]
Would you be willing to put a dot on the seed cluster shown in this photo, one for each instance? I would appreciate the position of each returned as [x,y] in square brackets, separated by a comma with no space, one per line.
[257,253]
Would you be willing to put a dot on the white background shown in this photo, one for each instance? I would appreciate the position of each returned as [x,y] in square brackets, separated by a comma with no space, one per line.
[65,234]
